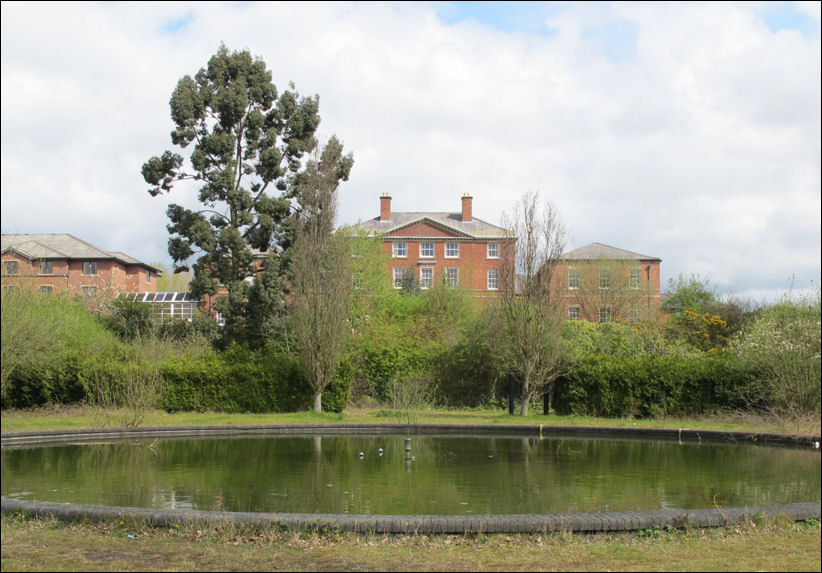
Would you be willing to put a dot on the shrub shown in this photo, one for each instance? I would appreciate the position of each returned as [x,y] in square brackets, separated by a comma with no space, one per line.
[783,347]
[46,339]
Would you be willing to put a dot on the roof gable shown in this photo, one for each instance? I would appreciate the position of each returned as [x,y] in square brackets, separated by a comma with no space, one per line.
[426,227]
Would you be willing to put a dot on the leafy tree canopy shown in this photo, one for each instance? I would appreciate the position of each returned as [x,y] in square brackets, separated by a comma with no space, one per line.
[246,142]
[689,293]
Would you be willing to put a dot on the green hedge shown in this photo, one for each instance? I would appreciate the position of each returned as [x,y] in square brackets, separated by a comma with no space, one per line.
[241,380]
[50,382]
[653,386]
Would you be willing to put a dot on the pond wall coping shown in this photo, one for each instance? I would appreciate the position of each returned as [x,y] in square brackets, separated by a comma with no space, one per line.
[407,524]
[410,524]
[545,430]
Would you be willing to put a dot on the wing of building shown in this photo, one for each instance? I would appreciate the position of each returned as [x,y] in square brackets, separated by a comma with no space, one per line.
[601,283]
[62,262]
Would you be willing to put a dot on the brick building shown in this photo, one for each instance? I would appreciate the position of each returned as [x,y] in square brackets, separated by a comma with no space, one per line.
[600,283]
[64,263]
[455,248]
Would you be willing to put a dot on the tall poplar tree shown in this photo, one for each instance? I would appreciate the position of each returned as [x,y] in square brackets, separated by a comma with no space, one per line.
[322,278]
[247,141]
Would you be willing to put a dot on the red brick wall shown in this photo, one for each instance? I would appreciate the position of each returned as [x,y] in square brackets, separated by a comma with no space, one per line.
[473,262]
[111,276]
[620,297]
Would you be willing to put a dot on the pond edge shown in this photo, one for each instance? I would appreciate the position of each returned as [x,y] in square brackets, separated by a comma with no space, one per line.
[410,524]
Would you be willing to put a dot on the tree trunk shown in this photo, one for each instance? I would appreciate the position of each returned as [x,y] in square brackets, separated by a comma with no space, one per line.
[318,401]
[526,394]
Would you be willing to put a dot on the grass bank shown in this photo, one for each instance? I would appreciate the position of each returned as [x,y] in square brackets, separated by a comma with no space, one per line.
[80,417]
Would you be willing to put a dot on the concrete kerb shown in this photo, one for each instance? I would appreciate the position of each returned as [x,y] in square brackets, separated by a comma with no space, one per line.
[409,524]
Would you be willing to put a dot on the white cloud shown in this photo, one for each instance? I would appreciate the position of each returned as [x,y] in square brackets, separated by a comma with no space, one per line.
[687,132]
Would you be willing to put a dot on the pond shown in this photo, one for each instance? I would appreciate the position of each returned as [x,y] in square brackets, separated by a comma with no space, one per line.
[441,475]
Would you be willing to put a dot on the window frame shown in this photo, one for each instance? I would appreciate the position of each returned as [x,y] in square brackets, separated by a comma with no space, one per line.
[492,277]
[88,290]
[46,268]
[424,249]
[492,251]
[574,313]
[428,281]
[573,279]
[634,279]
[452,276]
[9,264]
[399,249]
[452,247]
[90,266]
[604,314]
[604,279]
[398,276]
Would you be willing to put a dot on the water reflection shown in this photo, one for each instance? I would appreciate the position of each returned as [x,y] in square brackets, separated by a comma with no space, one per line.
[441,475]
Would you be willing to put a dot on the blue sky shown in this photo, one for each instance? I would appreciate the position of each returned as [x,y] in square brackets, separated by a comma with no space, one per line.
[616,37]
[685,131]
[530,17]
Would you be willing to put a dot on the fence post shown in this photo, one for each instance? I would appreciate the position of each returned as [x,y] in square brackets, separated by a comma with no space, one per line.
[510,395]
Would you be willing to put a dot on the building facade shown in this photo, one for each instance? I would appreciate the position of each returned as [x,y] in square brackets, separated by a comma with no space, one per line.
[64,263]
[455,248]
[600,283]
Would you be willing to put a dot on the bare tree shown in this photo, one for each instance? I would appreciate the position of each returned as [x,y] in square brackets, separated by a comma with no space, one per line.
[530,310]
[610,289]
[321,282]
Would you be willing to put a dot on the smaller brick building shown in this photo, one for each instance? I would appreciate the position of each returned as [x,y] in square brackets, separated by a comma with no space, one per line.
[431,247]
[600,283]
[64,263]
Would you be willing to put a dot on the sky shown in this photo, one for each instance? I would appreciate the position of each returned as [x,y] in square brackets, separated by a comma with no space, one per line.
[684,131]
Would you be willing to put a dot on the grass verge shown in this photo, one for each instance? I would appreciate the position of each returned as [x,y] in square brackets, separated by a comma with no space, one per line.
[79,417]
[51,545]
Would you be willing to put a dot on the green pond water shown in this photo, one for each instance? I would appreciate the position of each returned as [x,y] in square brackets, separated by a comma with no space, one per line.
[448,475]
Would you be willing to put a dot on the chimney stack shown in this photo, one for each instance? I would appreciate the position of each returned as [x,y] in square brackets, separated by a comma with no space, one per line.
[466,208]
[385,207]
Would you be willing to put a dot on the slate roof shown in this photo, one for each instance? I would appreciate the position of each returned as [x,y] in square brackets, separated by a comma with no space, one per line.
[595,251]
[62,246]
[475,228]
